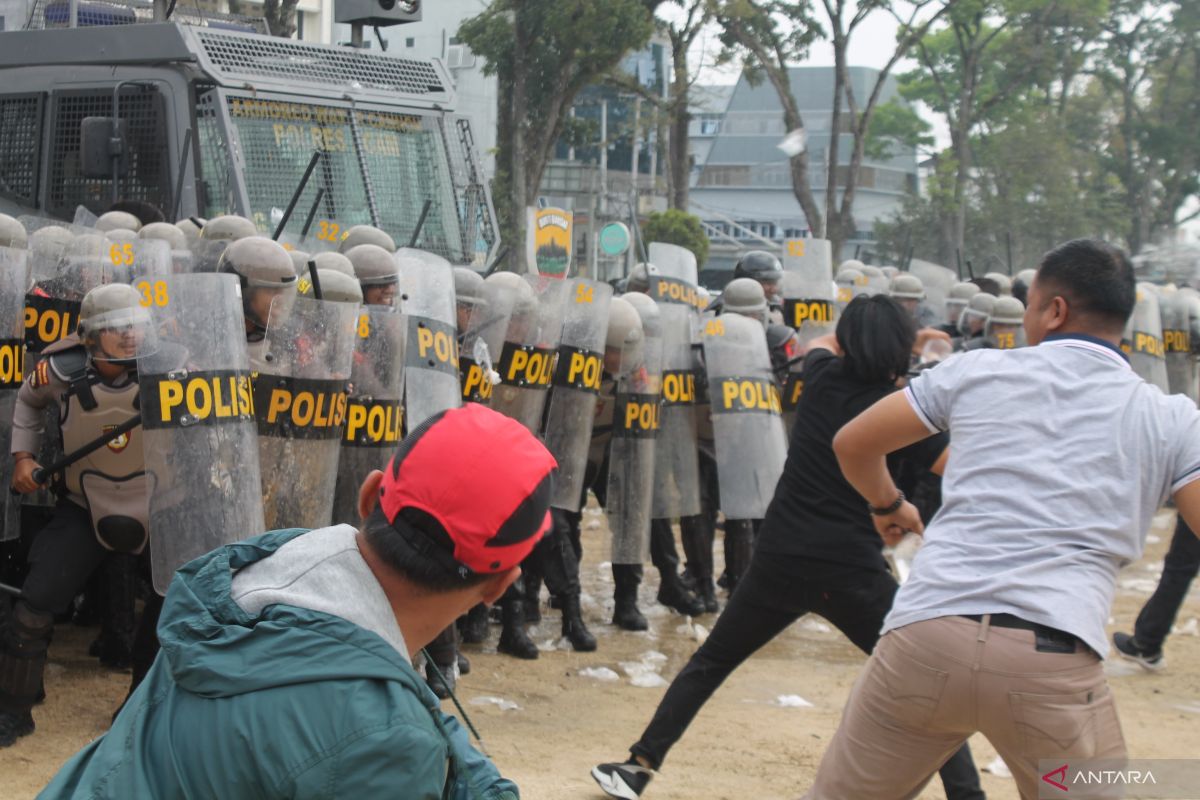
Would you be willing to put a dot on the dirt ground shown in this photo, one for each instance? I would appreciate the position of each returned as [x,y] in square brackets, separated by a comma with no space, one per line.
[746,743]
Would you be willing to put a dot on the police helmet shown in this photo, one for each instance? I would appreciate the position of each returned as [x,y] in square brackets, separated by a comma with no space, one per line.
[962,292]
[979,308]
[524,300]
[366,234]
[1002,280]
[625,334]
[639,277]
[851,263]
[1007,311]
[300,261]
[118,220]
[259,262]
[871,271]
[229,228]
[335,262]
[373,265]
[12,233]
[336,286]
[849,276]
[759,265]
[122,235]
[191,227]
[745,296]
[50,238]
[906,287]
[112,306]
[890,272]
[165,232]
[468,287]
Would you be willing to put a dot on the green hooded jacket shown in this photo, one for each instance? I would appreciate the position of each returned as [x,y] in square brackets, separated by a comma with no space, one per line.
[289,703]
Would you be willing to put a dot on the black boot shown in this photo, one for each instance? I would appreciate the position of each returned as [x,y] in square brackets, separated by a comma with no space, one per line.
[697,538]
[739,547]
[473,626]
[533,596]
[577,634]
[440,679]
[22,663]
[674,595]
[464,664]
[443,653]
[671,591]
[513,639]
[114,646]
[626,578]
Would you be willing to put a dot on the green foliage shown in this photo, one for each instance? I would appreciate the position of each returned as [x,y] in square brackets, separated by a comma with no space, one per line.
[893,125]
[674,226]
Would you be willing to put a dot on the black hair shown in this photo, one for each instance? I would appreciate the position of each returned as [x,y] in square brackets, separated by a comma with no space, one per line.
[1020,291]
[1095,278]
[876,336]
[987,286]
[420,550]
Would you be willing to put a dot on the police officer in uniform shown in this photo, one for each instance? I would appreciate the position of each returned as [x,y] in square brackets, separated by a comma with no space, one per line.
[973,322]
[366,234]
[265,271]
[376,272]
[956,301]
[12,233]
[101,508]
[908,291]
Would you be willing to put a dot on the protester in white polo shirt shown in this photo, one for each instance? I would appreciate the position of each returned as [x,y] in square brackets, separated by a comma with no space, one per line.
[1060,455]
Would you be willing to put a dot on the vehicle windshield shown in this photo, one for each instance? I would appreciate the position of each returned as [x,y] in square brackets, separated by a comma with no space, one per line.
[400,161]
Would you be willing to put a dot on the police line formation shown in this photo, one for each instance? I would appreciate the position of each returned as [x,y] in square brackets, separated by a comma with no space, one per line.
[166,386]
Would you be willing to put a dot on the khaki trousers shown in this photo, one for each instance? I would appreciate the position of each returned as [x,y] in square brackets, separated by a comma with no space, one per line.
[930,685]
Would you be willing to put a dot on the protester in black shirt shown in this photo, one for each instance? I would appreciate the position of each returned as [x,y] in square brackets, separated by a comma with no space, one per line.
[818,550]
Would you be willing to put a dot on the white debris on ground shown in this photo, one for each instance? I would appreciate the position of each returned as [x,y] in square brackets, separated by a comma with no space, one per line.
[1139,585]
[500,702]
[791,701]
[1191,708]
[1120,668]
[554,644]
[693,629]
[599,674]
[1152,539]
[644,673]
[998,768]
[1189,628]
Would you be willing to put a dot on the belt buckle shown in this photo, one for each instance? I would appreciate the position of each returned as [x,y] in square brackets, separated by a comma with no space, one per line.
[1049,640]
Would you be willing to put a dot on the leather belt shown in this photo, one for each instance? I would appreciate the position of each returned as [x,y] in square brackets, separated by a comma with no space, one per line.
[1012,621]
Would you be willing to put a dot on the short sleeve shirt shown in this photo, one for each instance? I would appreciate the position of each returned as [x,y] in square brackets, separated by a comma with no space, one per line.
[815,513]
[1061,456]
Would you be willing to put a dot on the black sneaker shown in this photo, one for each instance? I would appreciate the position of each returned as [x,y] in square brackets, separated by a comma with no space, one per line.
[13,726]
[1129,647]
[625,780]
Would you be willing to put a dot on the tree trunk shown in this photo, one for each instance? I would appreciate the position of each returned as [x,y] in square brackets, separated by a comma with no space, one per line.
[679,167]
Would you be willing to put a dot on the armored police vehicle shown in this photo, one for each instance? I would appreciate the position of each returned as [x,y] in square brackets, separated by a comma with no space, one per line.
[98,102]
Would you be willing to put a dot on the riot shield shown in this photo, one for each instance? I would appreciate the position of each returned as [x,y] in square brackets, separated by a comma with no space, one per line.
[197,405]
[14,278]
[808,303]
[1180,309]
[481,341]
[747,423]
[576,381]
[373,411]
[676,462]
[937,281]
[526,363]
[812,257]
[431,354]
[1143,340]
[300,405]
[631,453]
[676,281]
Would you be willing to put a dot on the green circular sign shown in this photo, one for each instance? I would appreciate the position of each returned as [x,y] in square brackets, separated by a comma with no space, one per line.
[614,238]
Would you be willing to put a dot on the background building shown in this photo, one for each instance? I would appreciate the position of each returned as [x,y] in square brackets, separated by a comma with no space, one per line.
[742,186]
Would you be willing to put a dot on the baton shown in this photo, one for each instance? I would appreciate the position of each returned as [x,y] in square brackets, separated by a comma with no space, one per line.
[14,591]
[312,212]
[420,223]
[41,473]
[287,215]
[316,280]
[442,679]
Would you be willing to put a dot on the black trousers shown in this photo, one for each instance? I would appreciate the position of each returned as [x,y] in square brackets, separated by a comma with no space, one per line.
[775,592]
[1180,566]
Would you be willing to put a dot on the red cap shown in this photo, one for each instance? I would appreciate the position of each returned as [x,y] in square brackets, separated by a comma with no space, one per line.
[484,478]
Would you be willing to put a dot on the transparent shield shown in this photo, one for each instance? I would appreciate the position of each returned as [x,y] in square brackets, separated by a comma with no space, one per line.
[526,363]
[809,305]
[431,355]
[14,277]
[481,330]
[811,257]
[636,415]
[374,411]
[300,404]
[676,461]
[674,261]
[576,386]
[201,448]
[1177,311]
[938,281]
[750,442]
[1143,340]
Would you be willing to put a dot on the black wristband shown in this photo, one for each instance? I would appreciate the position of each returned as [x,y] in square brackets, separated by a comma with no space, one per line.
[885,510]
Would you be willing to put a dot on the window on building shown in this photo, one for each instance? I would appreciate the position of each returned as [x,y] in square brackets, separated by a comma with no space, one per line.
[410,42]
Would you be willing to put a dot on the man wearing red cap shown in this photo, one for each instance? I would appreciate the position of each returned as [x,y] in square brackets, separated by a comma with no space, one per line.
[286,663]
